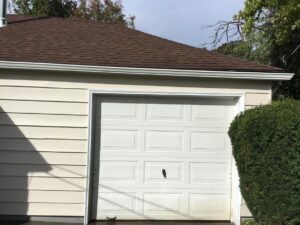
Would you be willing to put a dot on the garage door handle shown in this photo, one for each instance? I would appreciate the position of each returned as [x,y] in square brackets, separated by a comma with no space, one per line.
[164,173]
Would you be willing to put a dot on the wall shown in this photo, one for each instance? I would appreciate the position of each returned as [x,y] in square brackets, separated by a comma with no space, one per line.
[43,132]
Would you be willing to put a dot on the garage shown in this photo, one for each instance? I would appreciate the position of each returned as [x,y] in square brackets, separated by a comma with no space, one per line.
[162,158]
[119,124]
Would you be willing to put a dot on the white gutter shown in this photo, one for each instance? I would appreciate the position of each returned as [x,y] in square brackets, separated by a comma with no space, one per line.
[144,71]
[3,21]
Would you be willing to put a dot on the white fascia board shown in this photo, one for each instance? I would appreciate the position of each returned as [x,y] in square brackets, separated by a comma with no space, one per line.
[144,71]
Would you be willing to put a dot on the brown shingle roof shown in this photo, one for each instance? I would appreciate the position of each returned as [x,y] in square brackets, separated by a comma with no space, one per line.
[70,41]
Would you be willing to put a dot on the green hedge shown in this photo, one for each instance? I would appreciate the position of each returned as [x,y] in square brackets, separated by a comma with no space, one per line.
[266,147]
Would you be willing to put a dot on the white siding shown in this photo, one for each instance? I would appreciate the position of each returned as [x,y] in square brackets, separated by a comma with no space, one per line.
[43,132]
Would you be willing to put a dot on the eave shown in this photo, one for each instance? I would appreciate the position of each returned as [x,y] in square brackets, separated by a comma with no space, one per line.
[145,71]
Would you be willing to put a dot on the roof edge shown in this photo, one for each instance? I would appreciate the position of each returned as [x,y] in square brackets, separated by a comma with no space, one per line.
[145,71]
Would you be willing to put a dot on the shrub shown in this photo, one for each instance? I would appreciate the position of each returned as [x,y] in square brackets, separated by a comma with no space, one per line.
[250,222]
[266,147]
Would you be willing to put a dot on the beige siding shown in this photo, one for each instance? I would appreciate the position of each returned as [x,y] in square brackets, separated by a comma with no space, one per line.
[40,145]
[44,94]
[34,170]
[39,209]
[73,197]
[69,133]
[244,210]
[254,99]
[43,120]
[46,107]
[42,183]
[53,158]
[43,132]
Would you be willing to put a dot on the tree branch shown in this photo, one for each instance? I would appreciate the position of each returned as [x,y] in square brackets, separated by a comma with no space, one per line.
[228,30]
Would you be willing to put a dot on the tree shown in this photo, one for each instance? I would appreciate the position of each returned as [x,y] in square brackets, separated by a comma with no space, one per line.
[97,10]
[270,29]
[104,11]
[58,8]
[240,49]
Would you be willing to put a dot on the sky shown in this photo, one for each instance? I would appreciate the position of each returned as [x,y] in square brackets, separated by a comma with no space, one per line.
[181,20]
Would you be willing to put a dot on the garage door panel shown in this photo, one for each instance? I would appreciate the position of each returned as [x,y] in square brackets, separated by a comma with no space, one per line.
[210,115]
[153,172]
[208,172]
[163,158]
[162,203]
[201,141]
[158,140]
[208,112]
[119,111]
[163,112]
[118,171]
[119,140]
[117,203]
[209,205]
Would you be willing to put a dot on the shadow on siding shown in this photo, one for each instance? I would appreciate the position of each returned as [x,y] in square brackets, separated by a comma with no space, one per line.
[20,165]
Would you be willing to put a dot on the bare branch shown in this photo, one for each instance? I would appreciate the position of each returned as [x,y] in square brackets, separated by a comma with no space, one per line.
[228,30]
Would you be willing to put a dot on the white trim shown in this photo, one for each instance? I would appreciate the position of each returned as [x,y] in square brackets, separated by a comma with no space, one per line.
[236,195]
[181,94]
[144,71]
[87,212]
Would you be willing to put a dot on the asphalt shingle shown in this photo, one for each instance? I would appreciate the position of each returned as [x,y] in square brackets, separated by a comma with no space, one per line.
[80,42]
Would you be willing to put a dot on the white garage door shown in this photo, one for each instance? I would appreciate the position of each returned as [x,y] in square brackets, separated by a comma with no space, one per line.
[163,158]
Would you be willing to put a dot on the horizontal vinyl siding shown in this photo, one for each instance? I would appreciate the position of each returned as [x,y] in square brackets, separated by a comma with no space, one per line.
[41,209]
[40,107]
[65,133]
[73,197]
[42,183]
[41,158]
[254,99]
[43,150]
[46,120]
[38,170]
[43,133]
[41,145]
[44,94]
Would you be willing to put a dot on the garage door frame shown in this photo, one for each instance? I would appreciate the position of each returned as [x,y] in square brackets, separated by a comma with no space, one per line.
[93,94]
